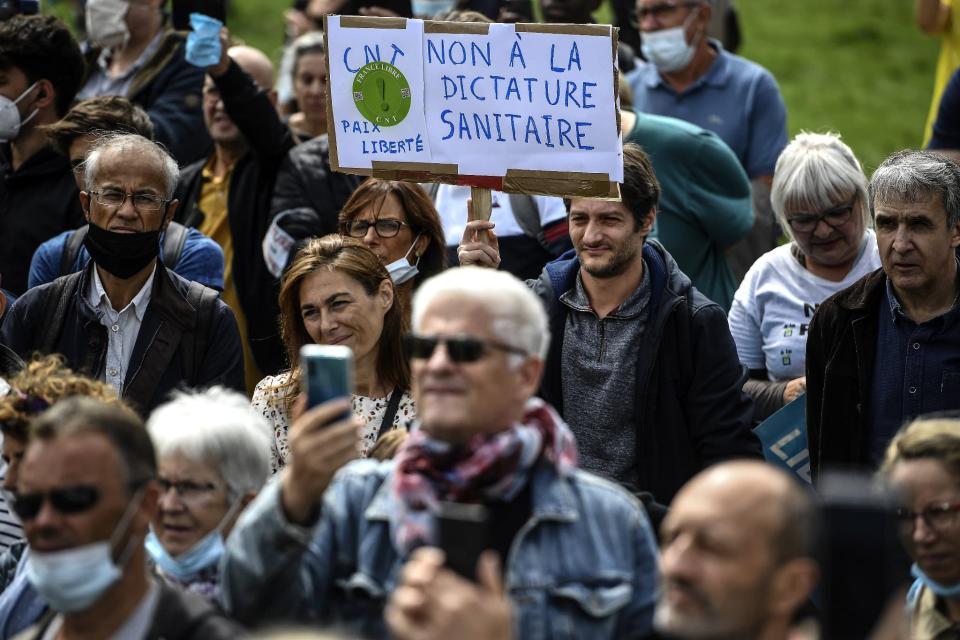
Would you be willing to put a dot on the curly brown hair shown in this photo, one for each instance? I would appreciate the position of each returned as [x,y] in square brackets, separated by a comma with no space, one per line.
[43,382]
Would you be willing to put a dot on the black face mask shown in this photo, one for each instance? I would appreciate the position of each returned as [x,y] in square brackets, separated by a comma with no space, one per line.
[122,254]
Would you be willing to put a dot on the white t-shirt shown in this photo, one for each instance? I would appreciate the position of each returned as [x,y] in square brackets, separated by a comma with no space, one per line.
[772,308]
[451,203]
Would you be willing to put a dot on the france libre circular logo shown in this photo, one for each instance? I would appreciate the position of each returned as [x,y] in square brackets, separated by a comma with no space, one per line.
[381,93]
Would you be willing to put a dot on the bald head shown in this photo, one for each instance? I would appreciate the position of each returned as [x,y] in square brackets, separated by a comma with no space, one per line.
[760,496]
[255,63]
[735,554]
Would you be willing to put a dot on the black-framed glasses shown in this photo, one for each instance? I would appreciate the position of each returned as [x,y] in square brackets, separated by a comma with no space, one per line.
[940,517]
[459,348]
[807,222]
[66,500]
[186,489]
[141,201]
[385,227]
[663,11]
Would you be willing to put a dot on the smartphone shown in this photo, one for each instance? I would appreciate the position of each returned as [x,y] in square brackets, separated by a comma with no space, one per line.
[861,557]
[183,8]
[327,373]
[463,531]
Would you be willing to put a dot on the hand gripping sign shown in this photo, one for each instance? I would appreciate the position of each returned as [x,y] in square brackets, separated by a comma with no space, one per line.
[519,108]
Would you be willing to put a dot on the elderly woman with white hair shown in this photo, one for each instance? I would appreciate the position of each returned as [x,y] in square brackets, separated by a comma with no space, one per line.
[213,458]
[819,196]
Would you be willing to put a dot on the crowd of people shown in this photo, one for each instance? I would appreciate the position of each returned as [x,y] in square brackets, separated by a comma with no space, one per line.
[553,424]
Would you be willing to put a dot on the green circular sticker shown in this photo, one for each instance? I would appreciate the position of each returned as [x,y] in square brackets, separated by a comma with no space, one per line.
[381,93]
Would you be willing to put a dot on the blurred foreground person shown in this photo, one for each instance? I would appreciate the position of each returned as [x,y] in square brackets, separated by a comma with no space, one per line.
[736,555]
[923,464]
[36,388]
[213,458]
[86,495]
[579,551]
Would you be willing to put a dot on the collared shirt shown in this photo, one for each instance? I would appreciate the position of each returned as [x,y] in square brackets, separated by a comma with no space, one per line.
[929,621]
[102,83]
[599,374]
[917,370]
[737,99]
[122,326]
[136,626]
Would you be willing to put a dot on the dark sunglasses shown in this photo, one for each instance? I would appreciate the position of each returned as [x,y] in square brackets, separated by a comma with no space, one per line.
[66,500]
[458,349]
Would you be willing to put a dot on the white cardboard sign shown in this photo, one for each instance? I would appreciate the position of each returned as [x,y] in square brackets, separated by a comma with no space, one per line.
[529,105]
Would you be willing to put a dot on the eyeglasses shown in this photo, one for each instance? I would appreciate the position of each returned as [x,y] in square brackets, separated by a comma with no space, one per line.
[940,517]
[66,500]
[187,490]
[807,222]
[385,228]
[141,201]
[458,349]
[665,11]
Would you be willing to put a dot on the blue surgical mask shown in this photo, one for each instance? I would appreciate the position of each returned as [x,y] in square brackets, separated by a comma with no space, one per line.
[401,270]
[667,49]
[72,580]
[204,554]
[952,592]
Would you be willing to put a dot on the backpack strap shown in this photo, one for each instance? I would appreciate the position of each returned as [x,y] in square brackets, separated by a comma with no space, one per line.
[193,344]
[72,249]
[527,215]
[173,240]
[59,292]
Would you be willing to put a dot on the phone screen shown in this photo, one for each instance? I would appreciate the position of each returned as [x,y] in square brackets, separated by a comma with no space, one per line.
[327,373]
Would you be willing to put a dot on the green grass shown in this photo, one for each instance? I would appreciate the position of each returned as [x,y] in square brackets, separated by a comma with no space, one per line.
[858,67]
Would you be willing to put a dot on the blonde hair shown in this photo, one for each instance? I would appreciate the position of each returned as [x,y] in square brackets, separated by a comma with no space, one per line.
[933,438]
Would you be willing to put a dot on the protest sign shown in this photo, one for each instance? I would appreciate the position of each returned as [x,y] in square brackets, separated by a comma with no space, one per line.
[784,438]
[518,108]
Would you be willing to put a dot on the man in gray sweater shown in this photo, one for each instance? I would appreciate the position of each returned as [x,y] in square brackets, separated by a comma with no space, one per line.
[642,366]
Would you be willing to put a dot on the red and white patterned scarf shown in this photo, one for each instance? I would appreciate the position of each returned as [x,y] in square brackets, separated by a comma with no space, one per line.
[489,467]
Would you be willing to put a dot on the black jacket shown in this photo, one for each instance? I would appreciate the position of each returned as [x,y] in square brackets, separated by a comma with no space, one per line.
[690,410]
[167,354]
[37,201]
[248,205]
[179,616]
[170,90]
[841,353]
[305,179]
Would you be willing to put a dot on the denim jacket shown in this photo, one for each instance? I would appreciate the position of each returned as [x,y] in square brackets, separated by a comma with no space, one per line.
[583,566]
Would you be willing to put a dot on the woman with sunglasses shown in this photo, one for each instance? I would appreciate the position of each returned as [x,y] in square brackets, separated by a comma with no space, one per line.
[33,390]
[398,222]
[337,291]
[923,464]
[819,196]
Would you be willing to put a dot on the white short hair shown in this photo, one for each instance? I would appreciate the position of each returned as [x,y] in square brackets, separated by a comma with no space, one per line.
[519,318]
[131,141]
[219,428]
[814,172]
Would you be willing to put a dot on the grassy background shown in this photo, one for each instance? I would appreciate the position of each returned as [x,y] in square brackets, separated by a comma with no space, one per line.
[858,67]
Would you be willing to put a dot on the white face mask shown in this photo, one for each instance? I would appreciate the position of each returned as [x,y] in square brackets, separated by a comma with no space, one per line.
[667,49]
[400,269]
[10,122]
[106,22]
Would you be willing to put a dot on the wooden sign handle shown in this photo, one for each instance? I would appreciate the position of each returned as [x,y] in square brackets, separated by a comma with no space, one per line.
[482,200]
